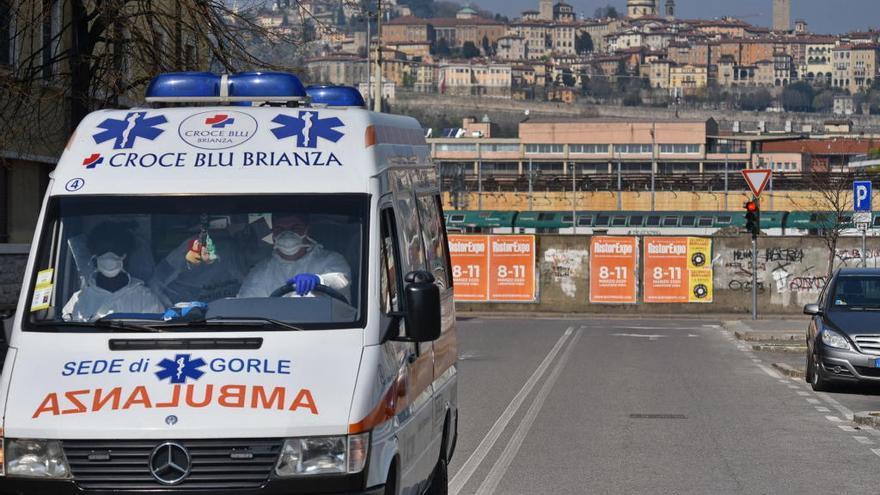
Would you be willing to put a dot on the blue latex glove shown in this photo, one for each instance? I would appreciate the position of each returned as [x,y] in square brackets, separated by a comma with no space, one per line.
[304,283]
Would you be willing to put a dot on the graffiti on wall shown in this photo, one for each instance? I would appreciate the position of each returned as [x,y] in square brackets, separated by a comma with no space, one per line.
[566,266]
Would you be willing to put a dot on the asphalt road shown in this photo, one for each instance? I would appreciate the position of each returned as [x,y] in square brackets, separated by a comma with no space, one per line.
[645,406]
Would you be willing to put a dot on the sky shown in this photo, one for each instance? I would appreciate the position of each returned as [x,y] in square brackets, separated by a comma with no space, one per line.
[823,16]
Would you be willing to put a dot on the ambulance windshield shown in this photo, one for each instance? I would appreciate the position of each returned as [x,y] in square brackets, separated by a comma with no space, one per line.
[199,260]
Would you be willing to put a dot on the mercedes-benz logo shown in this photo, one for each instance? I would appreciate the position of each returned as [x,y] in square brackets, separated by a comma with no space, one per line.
[170,463]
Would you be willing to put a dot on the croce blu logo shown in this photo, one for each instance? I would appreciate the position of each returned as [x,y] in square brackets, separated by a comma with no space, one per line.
[308,127]
[180,368]
[124,132]
[217,130]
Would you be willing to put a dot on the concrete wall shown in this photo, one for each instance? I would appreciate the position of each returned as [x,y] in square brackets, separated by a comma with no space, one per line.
[791,272]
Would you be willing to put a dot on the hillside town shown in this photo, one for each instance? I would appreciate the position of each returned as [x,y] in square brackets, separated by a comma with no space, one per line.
[647,54]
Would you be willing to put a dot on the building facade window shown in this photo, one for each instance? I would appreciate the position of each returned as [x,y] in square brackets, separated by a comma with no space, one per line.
[632,149]
[588,149]
[500,148]
[5,32]
[680,149]
[457,147]
[534,149]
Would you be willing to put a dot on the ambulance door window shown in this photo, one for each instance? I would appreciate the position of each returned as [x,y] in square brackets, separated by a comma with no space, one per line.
[390,275]
[409,232]
[434,239]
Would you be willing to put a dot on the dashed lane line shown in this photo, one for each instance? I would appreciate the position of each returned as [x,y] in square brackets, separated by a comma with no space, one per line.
[863,440]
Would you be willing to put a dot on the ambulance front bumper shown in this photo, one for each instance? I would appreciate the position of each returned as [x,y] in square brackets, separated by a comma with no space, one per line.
[336,485]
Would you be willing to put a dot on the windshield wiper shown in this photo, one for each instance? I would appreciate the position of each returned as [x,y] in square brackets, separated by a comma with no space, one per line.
[102,324]
[252,320]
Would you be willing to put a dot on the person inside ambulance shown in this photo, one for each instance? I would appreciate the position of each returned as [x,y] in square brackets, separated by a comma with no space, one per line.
[206,267]
[298,260]
[110,289]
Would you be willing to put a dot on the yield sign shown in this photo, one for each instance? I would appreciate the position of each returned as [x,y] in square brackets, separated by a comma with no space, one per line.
[757,179]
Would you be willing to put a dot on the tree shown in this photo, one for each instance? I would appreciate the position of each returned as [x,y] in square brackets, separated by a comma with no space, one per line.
[583,43]
[756,100]
[469,50]
[567,78]
[487,47]
[101,54]
[797,97]
[608,11]
[441,47]
[832,196]
[824,101]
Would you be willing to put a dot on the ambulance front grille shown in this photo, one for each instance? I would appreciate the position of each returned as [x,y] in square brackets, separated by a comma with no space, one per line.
[216,464]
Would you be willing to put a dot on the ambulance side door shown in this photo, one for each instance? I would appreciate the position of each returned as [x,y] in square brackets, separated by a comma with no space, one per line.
[420,373]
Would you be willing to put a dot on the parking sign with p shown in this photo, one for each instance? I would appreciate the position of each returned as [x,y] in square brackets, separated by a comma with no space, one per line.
[862,195]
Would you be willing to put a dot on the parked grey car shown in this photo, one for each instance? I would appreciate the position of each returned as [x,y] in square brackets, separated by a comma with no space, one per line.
[843,339]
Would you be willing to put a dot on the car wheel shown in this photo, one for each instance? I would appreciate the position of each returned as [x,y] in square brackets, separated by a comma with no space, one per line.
[808,374]
[818,381]
[439,479]
[391,483]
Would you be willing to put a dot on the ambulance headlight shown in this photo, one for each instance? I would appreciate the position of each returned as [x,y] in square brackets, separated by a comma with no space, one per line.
[323,455]
[35,459]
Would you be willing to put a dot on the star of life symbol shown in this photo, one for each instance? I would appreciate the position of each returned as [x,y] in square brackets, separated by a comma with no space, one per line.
[308,127]
[125,132]
[183,366]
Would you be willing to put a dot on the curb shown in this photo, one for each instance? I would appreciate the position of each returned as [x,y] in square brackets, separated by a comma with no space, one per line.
[762,336]
[788,349]
[867,418]
[789,370]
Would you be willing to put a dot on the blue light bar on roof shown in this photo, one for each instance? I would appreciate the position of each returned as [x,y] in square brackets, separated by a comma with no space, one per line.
[265,84]
[335,96]
[181,87]
[184,85]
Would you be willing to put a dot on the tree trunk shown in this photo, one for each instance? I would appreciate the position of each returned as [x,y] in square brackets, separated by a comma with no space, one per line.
[80,65]
[832,254]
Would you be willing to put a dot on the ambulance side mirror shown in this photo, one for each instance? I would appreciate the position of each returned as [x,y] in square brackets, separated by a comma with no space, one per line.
[422,314]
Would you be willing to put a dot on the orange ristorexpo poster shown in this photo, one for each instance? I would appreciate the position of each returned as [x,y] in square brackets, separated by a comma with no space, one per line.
[512,268]
[470,266]
[613,262]
[666,270]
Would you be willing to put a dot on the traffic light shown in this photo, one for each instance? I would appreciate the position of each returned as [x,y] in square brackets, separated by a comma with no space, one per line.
[753,217]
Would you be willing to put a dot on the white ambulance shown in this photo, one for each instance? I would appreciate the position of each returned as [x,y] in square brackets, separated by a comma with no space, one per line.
[244,289]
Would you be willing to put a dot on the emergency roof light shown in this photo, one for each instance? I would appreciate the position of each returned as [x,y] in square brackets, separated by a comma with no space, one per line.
[207,87]
[335,96]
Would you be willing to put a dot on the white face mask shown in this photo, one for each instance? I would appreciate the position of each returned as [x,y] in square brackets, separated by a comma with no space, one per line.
[109,265]
[289,243]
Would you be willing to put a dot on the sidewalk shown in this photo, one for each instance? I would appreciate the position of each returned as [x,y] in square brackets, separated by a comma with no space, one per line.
[770,330]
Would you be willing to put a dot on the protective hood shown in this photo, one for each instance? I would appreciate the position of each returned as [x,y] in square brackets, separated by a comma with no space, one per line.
[75,386]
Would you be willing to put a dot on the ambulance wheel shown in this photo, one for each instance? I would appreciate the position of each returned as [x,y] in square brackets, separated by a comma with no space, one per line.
[391,483]
[439,479]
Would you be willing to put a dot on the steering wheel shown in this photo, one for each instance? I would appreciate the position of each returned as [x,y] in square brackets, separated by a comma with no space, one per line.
[319,289]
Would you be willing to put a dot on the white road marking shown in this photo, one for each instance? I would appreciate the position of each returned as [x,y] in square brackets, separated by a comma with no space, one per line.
[847,428]
[864,440]
[476,458]
[793,387]
[635,327]
[692,335]
[803,394]
[767,370]
[876,451]
[813,401]
[783,380]
[756,360]
[711,326]
[638,336]
[490,484]
[848,414]
[833,419]
[822,409]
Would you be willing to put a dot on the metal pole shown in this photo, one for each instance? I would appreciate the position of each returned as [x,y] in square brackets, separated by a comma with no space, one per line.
[369,89]
[377,98]
[726,159]
[619,185]
[754,277]
[479,181]
[865,247]
[574,198]
[530,184]
[653,159]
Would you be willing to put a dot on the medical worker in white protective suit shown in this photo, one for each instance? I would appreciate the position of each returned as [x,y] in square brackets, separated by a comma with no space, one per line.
[296,259]
[111,289]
